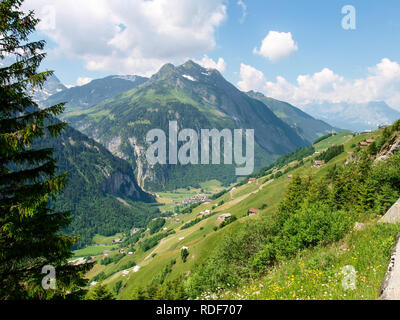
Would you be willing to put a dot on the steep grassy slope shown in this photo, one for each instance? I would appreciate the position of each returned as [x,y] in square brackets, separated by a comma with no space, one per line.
[321,264]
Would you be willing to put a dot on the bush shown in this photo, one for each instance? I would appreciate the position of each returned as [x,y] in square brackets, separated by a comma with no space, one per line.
[184,255]
[312,225]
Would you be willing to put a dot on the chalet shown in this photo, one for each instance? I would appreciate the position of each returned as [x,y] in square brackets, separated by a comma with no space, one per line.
[290,176]
[122,251]
[253,211]
[319,163]
[251,180]
[369,141]
[224,216]
[118,240]
[363,144]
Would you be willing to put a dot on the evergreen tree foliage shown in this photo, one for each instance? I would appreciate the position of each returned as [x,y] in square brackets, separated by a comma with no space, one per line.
[29,230]
[100,292]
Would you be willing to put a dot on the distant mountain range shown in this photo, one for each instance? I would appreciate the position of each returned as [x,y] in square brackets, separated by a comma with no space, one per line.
[96,91]
[306,126]
[355,117]
[52,86]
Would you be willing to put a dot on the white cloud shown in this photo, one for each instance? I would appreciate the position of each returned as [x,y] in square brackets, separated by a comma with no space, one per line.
[81,81]
[135,36]
[277,45]
[252,79]
[382,83]
[241,4]
[209,63]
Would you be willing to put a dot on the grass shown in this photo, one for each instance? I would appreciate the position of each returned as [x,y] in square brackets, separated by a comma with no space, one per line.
[319,273]
[338,139]
[102,240]
[92,251]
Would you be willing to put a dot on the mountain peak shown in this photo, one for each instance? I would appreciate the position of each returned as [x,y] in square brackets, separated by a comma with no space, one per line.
[190,64]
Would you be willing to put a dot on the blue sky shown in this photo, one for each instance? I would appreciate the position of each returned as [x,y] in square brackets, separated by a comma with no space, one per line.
[350,64]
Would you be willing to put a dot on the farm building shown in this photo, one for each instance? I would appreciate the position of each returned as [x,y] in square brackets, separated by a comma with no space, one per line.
[224,216]
[319,163]
[253,211]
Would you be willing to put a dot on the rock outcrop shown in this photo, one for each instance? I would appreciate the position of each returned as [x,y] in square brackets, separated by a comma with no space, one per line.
[389,149]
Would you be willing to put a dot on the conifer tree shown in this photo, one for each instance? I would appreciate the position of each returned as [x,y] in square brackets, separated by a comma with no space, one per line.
[30,236]
[100,292]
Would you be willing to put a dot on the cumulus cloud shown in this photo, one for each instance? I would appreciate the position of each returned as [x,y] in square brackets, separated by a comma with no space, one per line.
[135,36]
[209,63]
[382,83]
[81,81]
[252,79]
[276,46]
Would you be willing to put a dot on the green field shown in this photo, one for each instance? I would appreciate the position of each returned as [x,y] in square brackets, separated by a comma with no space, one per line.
[92,251]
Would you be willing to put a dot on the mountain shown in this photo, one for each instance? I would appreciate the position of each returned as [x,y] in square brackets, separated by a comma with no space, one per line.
[52,86]
[354,116]
[306,126]
[101,192]
[96,91]
[197,98]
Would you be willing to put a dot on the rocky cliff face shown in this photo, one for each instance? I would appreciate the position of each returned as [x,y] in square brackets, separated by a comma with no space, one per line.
[120,184]
[390,148]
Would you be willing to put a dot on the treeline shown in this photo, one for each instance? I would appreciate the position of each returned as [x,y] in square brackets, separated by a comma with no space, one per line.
[331,153]
[156,225]
[148,243]
[286,159]
[324,138]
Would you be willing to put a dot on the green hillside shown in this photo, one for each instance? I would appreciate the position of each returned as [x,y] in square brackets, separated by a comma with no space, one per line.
[294,243]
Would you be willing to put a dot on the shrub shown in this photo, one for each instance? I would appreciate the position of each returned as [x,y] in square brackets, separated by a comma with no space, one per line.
[184,255]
